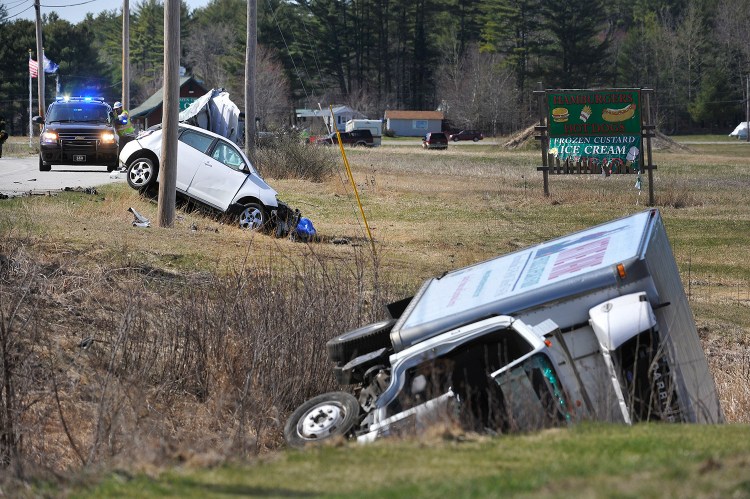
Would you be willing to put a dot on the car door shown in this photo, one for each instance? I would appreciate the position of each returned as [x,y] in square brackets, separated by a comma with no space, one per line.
[192,150]
[219,176]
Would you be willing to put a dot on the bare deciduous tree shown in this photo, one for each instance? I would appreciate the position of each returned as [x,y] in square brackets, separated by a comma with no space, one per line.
[272,90]
[206,50]
[477,92]
[732,20]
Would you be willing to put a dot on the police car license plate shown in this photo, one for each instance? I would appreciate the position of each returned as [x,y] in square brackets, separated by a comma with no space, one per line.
[79,157]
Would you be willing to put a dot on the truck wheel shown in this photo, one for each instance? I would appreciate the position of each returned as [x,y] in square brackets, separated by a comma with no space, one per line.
[112,167]
[475,139]
[360,341]
[44,167]
[325,416]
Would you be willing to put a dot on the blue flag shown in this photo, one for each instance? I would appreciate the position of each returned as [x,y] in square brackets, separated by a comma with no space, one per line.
[50,66]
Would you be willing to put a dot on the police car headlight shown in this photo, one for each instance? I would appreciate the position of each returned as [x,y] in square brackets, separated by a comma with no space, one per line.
[49,137]
[108,138]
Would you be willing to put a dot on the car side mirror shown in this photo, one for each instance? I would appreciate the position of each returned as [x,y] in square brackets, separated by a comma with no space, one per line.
[37,120]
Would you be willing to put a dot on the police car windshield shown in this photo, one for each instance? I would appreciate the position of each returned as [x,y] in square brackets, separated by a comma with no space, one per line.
[87,112]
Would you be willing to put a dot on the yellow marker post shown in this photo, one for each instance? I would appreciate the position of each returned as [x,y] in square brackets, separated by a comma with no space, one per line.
[351,178]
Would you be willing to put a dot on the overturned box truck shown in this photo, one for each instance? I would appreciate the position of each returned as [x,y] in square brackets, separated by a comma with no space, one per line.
[591,326]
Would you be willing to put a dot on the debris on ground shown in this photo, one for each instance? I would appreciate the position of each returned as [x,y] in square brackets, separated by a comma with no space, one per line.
[140,220]
[304,231]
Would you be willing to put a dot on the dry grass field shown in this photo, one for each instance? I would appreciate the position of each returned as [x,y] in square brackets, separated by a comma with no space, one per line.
[202,338]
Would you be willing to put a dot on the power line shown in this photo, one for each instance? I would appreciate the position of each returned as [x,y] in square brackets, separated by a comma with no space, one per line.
[296,70]
[19,13]
[68,5]
[19,2]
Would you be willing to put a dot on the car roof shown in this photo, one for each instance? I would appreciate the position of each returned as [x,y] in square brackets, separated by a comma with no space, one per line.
[202,130]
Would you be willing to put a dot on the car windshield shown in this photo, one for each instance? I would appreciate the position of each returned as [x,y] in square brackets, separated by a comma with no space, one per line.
[88,112]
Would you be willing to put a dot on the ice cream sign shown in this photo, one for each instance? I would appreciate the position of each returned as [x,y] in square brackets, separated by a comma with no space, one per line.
[603,126]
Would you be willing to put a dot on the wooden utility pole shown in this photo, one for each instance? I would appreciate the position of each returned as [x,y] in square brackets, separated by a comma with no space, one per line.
[747,108]
[250,48]
[39,61]
[126,55]
[170,115]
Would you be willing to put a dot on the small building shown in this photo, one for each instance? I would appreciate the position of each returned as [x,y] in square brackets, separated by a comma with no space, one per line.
[150,112]
[313,118]
[413,123]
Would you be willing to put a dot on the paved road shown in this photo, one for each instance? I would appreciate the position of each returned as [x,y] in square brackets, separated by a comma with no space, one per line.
[19,176]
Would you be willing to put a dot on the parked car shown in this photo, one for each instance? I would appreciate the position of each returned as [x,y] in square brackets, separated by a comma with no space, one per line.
[592,326]
[212,171]
[467,135]
[435,140]
[78,130]
[355,138]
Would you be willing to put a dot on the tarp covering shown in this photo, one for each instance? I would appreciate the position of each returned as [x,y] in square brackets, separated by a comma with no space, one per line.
[740,131]
[214,111]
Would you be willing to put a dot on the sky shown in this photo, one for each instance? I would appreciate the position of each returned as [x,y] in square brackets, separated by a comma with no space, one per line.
[73,11]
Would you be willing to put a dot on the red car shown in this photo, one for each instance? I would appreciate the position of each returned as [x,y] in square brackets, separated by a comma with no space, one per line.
[435,140]
[467,135]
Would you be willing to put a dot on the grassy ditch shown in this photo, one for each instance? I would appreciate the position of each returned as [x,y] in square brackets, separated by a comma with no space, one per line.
[131,347]
[586,461]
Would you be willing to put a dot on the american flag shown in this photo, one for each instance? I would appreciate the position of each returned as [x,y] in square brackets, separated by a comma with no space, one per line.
[33,68]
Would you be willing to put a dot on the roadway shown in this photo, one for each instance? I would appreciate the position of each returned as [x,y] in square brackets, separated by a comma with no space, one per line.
[21,176]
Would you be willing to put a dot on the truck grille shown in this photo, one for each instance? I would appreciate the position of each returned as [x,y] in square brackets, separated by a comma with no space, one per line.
[72,140]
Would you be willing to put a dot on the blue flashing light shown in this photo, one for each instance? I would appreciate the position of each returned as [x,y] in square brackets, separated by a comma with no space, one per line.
[87,99]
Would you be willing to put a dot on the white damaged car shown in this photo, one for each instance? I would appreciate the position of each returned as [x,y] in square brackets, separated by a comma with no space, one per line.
[212,171]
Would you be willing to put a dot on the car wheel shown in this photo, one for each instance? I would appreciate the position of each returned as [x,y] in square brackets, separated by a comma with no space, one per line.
[475,139]
[112,167]
[253,217]
[323,417]
[44,167]
[360,341]
[455,139]
[141,173]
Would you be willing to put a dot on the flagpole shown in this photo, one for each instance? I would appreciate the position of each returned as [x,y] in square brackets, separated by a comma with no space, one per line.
[31,126]
[39,60]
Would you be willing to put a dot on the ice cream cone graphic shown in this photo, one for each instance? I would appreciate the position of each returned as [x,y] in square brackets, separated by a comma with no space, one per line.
[632,154]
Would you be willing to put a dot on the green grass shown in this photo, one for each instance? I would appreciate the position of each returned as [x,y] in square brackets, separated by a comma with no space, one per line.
[433,211]
[706,138]
[584,461]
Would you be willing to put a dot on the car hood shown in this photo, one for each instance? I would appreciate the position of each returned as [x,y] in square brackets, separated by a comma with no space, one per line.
[79,127]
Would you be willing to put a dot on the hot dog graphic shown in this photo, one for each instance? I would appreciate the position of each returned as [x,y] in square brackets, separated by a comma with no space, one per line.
[617,115]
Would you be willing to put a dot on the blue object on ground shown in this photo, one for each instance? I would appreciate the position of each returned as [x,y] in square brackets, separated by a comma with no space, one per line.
[305,230]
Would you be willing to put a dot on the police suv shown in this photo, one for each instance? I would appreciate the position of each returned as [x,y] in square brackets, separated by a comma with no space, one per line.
[78,130]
